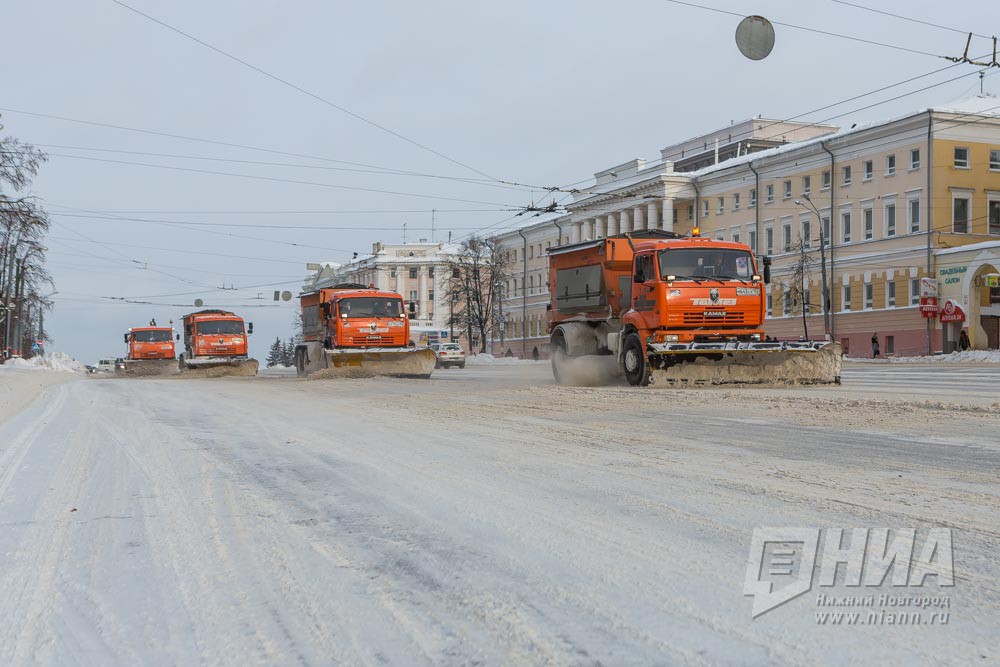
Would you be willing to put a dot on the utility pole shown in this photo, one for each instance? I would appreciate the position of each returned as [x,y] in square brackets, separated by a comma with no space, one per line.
[10,300]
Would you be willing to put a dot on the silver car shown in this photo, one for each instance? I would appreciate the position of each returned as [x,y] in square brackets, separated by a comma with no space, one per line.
[448,354]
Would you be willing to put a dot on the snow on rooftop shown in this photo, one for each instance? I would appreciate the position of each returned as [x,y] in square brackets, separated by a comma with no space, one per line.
[983,104]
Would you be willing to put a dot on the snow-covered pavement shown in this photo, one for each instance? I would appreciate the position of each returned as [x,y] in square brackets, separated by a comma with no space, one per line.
[482,517]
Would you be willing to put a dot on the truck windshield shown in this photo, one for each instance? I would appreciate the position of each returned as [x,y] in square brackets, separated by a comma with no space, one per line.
[220,327]
[151,336]
[706,263]
[370,307]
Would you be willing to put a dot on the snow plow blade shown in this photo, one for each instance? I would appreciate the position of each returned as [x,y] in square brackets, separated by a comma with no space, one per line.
[217,367]
[766,363]
[147,368]
[377,362]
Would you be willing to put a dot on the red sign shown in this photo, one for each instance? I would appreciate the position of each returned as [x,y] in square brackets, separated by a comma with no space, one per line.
[952,312]
[928,306]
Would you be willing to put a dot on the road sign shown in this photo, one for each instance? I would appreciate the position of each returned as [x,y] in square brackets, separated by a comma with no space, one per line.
[35,348]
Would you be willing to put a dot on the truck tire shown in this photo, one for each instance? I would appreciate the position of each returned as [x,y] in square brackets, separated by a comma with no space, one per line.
[558,357]
[634,361]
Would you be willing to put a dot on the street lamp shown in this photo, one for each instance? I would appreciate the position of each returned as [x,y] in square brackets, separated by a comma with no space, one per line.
[808,204]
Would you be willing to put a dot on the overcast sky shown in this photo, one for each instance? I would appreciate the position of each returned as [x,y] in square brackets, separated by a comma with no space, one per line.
[540,93]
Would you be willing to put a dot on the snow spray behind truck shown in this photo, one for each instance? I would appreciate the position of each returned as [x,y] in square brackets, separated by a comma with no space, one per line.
[150,351]
[352,329]
[673,310]
[216,344]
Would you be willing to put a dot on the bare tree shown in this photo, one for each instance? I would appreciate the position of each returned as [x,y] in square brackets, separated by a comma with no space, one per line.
[478,272]
[798,287]
[23,224]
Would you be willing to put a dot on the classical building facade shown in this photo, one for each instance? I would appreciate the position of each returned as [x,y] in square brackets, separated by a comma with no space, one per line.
[894,211]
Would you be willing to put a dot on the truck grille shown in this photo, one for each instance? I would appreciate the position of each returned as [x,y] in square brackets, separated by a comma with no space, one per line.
[698,319]
[377,340]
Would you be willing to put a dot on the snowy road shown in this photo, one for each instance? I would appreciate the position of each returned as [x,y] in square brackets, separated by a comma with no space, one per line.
[483,517]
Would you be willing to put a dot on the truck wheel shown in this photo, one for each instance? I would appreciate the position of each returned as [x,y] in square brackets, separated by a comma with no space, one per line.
[180,362]
[558,357]
[634,362]
[300,362]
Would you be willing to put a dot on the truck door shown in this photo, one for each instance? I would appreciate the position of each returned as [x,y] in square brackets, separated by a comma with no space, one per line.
[644,289]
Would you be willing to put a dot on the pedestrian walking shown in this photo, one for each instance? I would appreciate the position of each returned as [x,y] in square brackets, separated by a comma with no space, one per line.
[875,350]
[963,340]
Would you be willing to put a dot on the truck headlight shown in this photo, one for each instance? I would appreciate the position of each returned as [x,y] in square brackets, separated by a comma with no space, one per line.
[755,337]
[671,338]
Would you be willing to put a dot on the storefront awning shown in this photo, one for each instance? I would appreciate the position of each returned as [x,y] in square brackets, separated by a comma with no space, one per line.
[951,311]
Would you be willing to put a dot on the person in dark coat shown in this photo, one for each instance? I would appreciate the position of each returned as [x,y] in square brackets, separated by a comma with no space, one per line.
[875,350]
[963,340]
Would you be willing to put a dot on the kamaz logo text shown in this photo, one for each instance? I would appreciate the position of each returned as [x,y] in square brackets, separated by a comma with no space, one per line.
[717,302]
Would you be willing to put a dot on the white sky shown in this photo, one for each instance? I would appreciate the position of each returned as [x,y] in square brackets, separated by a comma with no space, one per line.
[544,93]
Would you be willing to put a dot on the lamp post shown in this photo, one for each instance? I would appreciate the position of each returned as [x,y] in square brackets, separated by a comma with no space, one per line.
[822,259]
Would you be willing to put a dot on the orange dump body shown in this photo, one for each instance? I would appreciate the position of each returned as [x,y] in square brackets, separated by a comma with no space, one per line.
[146,343]
[609,281]
[355,317]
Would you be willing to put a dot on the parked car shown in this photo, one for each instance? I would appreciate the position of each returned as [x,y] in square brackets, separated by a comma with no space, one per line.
[448,354]
[109,365]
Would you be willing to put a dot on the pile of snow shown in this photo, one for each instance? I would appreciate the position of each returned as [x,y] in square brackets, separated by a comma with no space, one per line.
[490,360]
[55,361]
[967,357]
[278,371]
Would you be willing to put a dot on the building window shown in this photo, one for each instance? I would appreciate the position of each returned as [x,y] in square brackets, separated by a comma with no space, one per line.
[787,190]
[869,215]
[531,284]
[690,211]
[890,344]
[826,232]
[845,224]
[539,249]
[994,160]
[736,201]
[753,197]
[994,217]
[869,295]
[845,175]
[869,170]
[914,291]
[960,215]
[890,165]
[806,234]
[413,273]
[826,179]
[846,298]
[736,236]
[786,237]
[430,295]
[890,294]
[770,307]
[915,158]
[769,241]
[769,193]
[413,295]
[914,215]
[704,209]
[392,272]
[752,239]
[787,299]
[961,157]
[722,204]
[890,219]
[806,184]
[531,252]
[720,235]
[456,273]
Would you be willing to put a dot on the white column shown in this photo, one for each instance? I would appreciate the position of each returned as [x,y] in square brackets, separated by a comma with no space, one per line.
[668,215]
[399,281]
[601,223]
[575,232]
[652,216]
[626,219]
[422,309]
[591,228]
[613,228]
[639,219]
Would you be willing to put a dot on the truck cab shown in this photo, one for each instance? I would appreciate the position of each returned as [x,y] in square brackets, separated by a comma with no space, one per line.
[150,343]
[215,334]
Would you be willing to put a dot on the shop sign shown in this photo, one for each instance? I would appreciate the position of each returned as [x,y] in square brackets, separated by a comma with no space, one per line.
[953,274]
[952,312]
[928,287]
[928,306]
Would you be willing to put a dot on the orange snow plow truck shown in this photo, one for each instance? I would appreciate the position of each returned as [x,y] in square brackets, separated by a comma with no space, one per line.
[150,351]
[672,310]
[216,344]
[352,329]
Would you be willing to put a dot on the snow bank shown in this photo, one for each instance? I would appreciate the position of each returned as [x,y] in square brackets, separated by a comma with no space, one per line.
[490,360]
[55,361]
[967,357]
[278,371]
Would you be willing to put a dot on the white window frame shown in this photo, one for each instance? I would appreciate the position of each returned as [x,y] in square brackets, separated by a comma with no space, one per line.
[720,235]
[967,196]
[769,232]
[914,164]
[890,203]
[992,197]
[786,236]
[736,201]
[753,197]
[752,238]
[890,165]
[845,175]
[806,185]
[964,164]
[734,234]
[705,208]
[845,298]
[890,293]
[869,295]
[786,189]
[910,201]
[769,193]
[722,205]
[995,159]
[786,301]
[827,180]
[914,291]
[868,226]
[805,231]
[867,170]
[845,229]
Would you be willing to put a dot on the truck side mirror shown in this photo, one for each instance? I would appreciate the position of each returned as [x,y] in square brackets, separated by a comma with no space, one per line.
[178,336]
[413,306]
[767,270]
[126,339]
[250,328]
